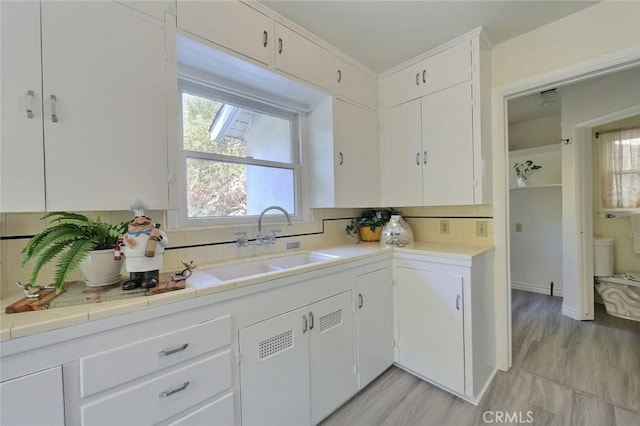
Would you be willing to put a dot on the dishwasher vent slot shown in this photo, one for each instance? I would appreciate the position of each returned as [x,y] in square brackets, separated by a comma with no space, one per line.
[275,345]
[332,320]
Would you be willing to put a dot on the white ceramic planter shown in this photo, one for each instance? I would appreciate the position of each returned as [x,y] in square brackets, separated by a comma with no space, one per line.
[100,268]
[522,183]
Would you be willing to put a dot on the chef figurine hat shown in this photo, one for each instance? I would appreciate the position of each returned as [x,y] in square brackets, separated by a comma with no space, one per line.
[138,207]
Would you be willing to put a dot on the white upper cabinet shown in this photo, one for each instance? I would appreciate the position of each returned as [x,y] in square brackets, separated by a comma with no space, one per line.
[21,153]
[445,69]
[355,85]
[344,166]
[157,9]
[438,133]
[103,106]
[304,59]
[230,24]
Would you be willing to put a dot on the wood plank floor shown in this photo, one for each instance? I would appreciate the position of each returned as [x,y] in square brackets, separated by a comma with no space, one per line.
[565,372]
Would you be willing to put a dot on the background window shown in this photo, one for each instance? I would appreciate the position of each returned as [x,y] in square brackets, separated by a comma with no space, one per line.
[240,156]
[620,169]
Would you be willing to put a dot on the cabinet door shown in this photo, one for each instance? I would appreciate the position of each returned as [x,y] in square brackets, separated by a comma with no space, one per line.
[374,308]
[401,156]
[304,59]
[21,151]
[21,405]
[230,24]
[333,378]
[274,370]
[402,86]
[356,85]
[106,131]
[430,325]
[447,142]
[357,174]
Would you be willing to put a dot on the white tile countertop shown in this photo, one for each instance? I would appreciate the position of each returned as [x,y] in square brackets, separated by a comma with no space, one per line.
[13,326]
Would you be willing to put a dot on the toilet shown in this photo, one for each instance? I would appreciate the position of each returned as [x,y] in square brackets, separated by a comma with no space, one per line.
[620,293]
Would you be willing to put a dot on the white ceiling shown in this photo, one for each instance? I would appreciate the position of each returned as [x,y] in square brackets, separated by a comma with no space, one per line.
[382,34]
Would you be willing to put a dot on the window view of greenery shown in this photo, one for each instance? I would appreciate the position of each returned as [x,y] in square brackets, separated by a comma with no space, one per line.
[238,159]
[214,188]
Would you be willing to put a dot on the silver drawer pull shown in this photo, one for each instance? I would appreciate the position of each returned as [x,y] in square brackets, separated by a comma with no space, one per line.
[54,115]
[171,392]
[173,351]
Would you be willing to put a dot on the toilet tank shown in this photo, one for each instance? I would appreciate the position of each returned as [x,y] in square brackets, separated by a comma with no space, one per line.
[603,256]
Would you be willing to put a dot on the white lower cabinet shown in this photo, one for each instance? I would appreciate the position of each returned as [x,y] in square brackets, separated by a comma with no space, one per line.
[298,367]
[35,399]
[374,319]
[430,319]
[445,321]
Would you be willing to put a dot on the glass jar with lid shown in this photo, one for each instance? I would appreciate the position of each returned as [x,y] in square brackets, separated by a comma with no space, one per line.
[396,233]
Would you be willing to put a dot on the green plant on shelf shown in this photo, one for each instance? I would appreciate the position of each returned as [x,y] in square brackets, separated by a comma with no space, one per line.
[525,169]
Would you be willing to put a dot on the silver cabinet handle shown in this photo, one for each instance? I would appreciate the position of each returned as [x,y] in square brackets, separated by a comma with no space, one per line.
[54,116]
[424,76]
[418,158]
[425,157]
[30,96]
[341,162]
[361,301]
[173,351]
[311,318]
[305,324]
[265,38]
[418,79]
[280,45]
[458,302]
[339,76]
[165,394]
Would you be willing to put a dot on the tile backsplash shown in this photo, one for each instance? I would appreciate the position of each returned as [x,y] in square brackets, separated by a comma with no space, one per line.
[215,244]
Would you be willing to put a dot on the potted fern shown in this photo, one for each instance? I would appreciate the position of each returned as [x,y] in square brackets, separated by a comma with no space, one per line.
[76,241]
[369,224]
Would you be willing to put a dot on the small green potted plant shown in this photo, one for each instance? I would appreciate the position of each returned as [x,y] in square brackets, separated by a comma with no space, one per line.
[76,241]
[369,224]
[524,170]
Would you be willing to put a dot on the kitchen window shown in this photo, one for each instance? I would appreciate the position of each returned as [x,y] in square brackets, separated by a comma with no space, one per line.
[239,157]
[620,169]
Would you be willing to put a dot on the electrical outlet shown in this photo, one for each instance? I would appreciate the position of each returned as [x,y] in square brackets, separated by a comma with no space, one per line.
[518,227]
[481,228]
[444,226]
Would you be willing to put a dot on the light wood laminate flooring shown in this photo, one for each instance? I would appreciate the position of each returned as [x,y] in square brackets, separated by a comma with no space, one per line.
[565,372]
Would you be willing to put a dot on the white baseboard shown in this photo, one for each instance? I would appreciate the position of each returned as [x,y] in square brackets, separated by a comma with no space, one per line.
[535,288]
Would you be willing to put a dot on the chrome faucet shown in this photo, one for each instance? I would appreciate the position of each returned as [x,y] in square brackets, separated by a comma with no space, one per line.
[272,238]
[243,241]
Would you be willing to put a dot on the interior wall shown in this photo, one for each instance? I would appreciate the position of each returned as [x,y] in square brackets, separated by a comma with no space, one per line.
[625,259]
[536,132]
[602,29]
[535,214]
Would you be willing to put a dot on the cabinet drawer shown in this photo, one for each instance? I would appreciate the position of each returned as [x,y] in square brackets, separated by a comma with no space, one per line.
[219,413]
[110,368]
[163,396]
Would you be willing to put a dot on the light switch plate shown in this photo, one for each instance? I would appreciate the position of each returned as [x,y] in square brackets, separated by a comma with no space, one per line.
[481,228]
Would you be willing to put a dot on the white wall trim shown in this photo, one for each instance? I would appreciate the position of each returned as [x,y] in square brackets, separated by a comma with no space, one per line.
[605,64]
[534,288]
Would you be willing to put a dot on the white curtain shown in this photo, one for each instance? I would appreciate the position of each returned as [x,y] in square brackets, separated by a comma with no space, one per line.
[620,169]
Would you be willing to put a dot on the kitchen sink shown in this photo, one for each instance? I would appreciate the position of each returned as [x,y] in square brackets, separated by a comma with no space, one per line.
[263,266]
[300,259]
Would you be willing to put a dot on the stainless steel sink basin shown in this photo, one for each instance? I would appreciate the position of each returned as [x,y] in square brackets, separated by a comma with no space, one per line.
[263,266]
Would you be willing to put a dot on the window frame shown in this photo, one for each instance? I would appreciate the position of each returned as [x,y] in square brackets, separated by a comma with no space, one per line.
[601,172]
[180,218]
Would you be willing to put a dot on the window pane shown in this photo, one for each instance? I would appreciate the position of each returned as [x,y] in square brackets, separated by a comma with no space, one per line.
[218,128]
[216,188]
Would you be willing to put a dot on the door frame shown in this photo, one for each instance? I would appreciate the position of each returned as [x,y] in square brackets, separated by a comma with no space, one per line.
[596,67]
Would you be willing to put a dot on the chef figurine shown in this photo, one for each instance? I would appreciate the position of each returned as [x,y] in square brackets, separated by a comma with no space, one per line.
[144,244]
